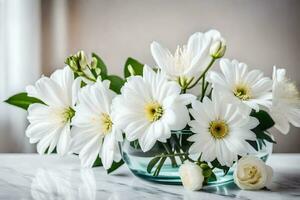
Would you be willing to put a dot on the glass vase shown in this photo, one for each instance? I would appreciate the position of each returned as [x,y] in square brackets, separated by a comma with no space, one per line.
[138,161]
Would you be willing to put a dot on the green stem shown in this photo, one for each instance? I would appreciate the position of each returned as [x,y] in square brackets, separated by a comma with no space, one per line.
[202,86]
[203,74]
[204,91]
[159,166]
[178,147]
[169,151]
[199,158]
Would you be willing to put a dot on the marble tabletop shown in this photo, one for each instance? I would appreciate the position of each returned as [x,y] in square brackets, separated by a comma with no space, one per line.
[31,176]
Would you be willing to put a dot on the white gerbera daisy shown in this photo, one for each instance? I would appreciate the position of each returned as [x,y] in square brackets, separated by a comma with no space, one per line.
[222,129]
[50,122]
[250,87]
[150,107]
[189,60]
[94,132]
[285,107]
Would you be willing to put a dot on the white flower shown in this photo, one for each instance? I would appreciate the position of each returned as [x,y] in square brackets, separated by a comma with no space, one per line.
[285,107]
[191,176]
[95,133]
[249,87]
[188,61]
[222,129]
[252,173]
[150,107]
[50,123]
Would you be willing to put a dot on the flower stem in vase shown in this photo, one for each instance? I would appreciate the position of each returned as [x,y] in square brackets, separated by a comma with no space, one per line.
[177,147]
[169,151]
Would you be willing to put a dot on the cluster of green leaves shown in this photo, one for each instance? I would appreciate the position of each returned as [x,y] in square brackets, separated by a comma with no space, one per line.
[261,131]
[136,67]
[116,82]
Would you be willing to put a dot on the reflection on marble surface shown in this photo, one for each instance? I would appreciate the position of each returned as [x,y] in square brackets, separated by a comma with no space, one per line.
[60,184]
[51,177]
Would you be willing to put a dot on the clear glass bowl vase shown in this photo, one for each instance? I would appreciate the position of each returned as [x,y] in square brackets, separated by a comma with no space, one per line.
[138,161]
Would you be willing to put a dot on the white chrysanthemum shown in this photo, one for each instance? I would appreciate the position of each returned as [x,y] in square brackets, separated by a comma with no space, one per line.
[250,87]
[94,132]
[150,107]
[189,60]
[50,123]
[222,129]
[285,107]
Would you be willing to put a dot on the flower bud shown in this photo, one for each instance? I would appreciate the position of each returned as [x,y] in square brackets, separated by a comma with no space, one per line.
[82,59]
[131,70]
[218,48]
[94,63]
[72,63]
[98,71]
[191,176]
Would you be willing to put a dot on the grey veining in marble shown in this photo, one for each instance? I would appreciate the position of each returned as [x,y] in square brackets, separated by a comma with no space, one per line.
[31,176]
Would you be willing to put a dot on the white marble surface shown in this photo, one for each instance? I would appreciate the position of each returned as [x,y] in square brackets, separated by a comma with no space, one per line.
[30,176]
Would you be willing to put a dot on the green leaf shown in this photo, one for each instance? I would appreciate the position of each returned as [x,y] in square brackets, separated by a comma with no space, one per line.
[263,135]
[212,177]
[216,164]
[253,144]
[136,66]
[135,144]
[152,163]
[98,162]
[265,120]
[116,83]
[115,166]
[21,100]
[101,65]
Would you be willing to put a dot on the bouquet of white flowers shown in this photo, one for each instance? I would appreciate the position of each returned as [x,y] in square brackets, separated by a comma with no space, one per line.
[179,116]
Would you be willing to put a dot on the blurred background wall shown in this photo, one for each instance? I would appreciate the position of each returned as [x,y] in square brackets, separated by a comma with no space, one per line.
[36,36]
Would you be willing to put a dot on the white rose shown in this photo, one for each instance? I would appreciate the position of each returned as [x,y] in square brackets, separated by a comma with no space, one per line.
[191,176]
[252,173]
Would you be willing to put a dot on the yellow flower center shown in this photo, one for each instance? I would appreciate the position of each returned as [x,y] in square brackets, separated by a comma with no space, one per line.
[106,123]
[242,91]
[218,129]
[153,111]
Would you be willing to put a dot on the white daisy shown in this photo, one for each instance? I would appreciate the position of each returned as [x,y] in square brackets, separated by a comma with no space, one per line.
[94,132]
[189,60]
[285,107]
[250,87]
[150,107]
[50,123]
[222,129]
